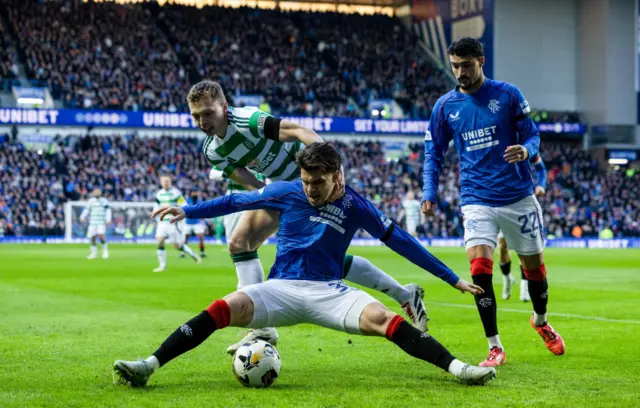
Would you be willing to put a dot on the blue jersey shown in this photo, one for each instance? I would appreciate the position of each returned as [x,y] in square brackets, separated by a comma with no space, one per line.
[312,241]
[190,221]
[482,125]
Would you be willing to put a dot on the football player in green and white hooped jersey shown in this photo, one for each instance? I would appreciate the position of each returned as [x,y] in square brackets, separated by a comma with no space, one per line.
[170,196]
[240,140]
[99,215]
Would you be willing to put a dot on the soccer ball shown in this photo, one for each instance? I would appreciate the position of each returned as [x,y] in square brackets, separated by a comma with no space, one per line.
[256,364]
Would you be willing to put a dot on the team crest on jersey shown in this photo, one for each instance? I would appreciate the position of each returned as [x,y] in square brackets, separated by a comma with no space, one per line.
[494,105]
[347,200]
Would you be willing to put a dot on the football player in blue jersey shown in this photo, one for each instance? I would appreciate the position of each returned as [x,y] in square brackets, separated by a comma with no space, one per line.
[505,259]
[490,127]
[318,218]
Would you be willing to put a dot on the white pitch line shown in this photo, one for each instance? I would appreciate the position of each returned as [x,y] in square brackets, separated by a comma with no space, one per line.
[568,315]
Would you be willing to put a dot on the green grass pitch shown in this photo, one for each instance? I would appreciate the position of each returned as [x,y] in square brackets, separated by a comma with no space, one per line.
[65,319]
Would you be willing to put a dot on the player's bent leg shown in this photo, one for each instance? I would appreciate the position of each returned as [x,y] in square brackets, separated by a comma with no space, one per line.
[536,274]
[235,309]
[253,228]
[378,320]
[505,266]
[410,297]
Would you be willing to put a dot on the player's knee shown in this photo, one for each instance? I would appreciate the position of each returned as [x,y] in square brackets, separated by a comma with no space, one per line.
[240,308]
[375,318]
[536,274]
[238,245]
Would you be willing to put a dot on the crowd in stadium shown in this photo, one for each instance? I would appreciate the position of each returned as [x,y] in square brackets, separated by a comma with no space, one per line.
[581,200]
[145,58]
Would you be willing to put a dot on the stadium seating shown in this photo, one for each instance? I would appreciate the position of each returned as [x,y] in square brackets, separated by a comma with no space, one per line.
[145,57]
[34,187]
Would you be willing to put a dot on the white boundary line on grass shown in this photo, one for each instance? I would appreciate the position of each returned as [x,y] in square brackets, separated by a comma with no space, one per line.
[568,315]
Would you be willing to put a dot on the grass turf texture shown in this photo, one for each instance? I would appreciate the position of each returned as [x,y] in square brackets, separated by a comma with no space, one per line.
[65,319]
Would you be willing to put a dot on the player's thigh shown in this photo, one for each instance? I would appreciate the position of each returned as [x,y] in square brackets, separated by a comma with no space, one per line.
[230,222]
[412,227]
[199,229]
[163,230]
[480,226]
[336,305]
[92,231]
[276,303]
[521,223]
[256,226]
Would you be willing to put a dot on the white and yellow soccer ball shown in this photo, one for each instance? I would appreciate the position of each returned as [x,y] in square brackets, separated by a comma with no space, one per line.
[256,364]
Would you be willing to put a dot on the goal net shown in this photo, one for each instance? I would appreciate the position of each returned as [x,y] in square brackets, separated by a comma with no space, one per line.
[129,221]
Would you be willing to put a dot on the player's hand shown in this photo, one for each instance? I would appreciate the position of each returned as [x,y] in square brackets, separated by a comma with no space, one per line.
[539,192]
[428,208]
[464,286]
[177,212]
[516,153]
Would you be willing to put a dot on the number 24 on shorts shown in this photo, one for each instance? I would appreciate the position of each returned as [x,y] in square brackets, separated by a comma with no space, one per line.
[532,217]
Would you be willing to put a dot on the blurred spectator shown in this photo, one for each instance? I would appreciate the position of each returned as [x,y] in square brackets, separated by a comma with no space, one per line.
[581,200]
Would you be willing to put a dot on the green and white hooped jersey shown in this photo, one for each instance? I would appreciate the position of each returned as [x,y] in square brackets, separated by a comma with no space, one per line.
[244,145]
[412,210]
[98,209]
[169,198]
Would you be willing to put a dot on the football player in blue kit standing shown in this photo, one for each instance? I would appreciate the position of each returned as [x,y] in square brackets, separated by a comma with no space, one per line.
[318,218]
[490,127]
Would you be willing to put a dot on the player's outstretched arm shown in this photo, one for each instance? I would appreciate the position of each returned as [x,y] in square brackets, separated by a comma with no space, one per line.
[245,178]
[292,132]
[269,197]
[401,242]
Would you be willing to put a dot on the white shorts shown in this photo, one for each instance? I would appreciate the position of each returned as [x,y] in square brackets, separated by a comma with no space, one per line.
[332,304]
[520,223]
[96,230]
[412,227]
[172,232]
[230,221]
[197,229]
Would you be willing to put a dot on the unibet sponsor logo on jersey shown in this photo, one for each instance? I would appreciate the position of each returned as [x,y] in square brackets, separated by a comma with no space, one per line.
[260,166]
[332,216]
[480,138]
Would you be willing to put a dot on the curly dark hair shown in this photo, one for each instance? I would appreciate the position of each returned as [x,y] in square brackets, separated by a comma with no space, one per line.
[466,47]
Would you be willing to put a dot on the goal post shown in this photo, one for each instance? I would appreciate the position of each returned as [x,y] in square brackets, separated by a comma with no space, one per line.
[130,221]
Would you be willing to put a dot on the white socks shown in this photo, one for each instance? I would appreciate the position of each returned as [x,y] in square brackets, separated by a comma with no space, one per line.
[539,320]
[455,367]
[249,272]
[494,341]
[162,257]
[152,363]
[368,275]
[94,250]
[188,251]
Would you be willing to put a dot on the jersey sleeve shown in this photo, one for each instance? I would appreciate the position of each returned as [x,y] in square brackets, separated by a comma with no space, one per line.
[180,199]
[257,123]
[270,197]
[436,141]
[400,241]
[529,137]
[222,164]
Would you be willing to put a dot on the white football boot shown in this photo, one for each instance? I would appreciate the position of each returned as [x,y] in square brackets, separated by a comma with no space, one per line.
[414,308]
[268,334]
